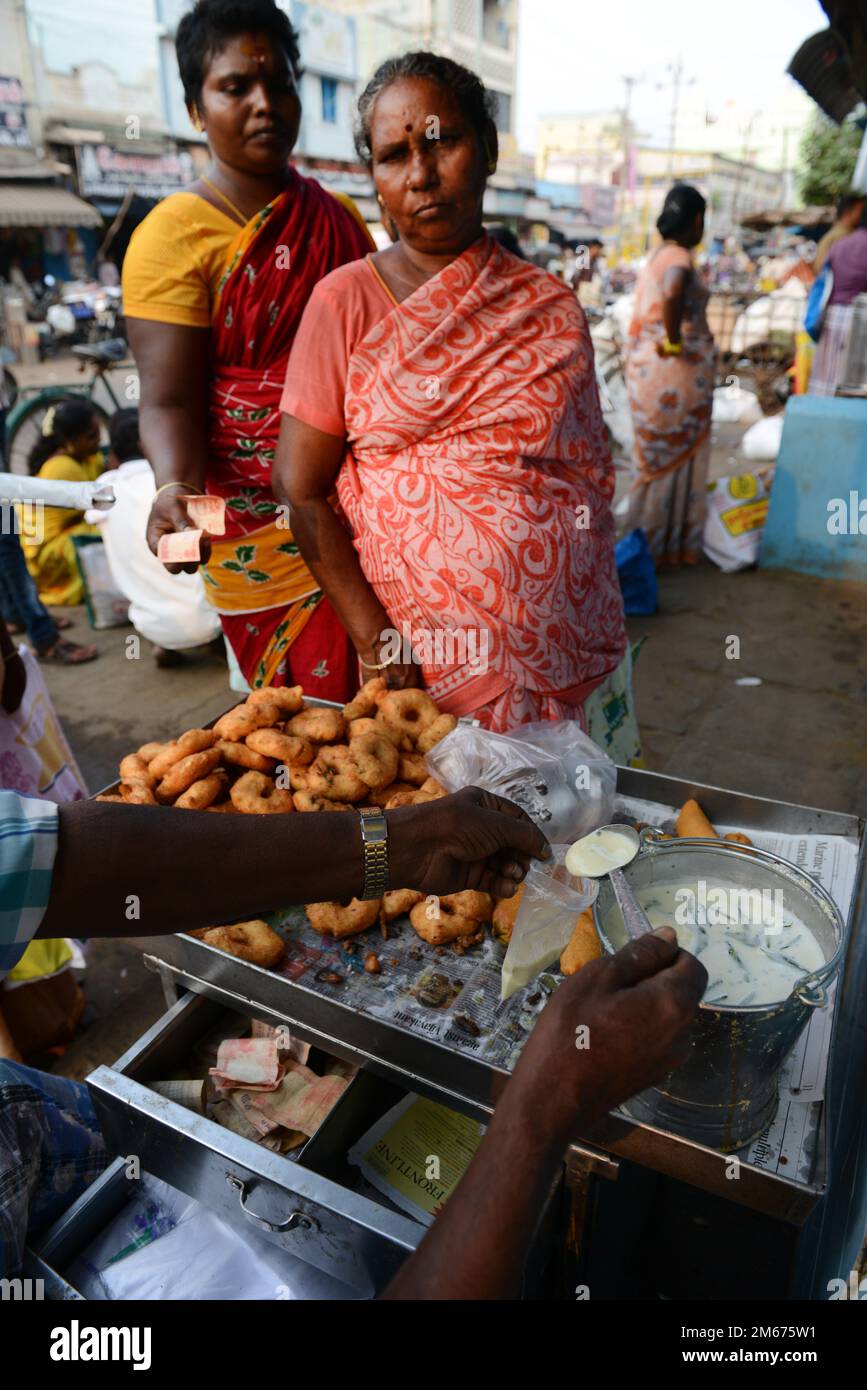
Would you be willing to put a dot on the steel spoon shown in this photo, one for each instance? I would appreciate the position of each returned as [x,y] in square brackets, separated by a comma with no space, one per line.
[633,914]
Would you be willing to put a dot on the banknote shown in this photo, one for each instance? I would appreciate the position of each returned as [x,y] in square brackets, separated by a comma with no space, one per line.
[296,1104]
[179,547]
[207,512]
[242,1102]
[247,1062]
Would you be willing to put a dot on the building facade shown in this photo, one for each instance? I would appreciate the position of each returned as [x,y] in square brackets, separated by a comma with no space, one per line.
[733,188]
[480,34]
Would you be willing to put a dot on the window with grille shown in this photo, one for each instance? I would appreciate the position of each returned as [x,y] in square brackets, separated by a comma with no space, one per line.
[496,27]
[329,100]
[503,114]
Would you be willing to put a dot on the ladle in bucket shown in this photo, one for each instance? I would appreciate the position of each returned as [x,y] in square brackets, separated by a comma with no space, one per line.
[633,914]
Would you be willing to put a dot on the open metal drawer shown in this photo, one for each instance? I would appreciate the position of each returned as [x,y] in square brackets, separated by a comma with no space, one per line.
[291,1200]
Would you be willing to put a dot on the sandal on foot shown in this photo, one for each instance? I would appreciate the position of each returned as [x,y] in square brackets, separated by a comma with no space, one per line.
[64,653]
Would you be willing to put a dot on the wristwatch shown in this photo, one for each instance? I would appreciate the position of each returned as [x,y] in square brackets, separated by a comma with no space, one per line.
[374,837]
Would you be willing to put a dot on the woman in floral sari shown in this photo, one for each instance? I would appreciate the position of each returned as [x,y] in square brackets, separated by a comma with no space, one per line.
[670,377]
[215,282]
[447,389]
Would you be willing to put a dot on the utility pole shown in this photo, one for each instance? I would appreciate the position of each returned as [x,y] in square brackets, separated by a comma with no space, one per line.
[628,84]
[676,70]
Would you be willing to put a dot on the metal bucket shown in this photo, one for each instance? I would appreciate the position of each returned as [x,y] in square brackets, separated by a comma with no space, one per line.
[726,1092]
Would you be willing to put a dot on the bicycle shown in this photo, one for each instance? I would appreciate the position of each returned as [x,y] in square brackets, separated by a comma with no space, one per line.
[24,420]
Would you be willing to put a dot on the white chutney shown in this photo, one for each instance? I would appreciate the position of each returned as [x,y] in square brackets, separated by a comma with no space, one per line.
[752,956]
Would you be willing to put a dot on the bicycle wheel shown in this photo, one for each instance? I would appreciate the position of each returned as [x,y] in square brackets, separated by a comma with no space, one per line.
[24,425]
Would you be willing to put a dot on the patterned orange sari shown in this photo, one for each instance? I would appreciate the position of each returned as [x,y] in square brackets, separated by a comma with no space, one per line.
[477,487]
[671,399]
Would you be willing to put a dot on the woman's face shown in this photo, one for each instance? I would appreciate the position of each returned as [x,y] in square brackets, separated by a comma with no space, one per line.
[697,230]
[250,106]
[81,446]
[428,166]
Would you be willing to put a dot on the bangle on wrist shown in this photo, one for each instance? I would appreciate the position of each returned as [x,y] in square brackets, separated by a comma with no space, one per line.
[374,665]
[189,486]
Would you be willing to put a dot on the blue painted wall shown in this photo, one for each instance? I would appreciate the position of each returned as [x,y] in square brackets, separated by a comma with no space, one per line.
[823,458]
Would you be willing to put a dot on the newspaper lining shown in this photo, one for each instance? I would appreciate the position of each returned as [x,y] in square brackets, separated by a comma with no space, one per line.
[454,1000]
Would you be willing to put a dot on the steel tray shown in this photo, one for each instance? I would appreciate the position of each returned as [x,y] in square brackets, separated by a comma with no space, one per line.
[472,1085]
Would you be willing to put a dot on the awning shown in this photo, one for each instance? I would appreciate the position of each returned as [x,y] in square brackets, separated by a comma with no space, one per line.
[823,68]
[29,205]
[785,217]
[23,164]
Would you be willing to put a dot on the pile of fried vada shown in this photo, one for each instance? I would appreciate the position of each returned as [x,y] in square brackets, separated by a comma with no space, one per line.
[274,754]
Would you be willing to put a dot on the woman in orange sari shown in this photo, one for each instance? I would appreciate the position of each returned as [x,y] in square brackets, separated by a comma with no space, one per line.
[447,389]
[670,372]
[215,282]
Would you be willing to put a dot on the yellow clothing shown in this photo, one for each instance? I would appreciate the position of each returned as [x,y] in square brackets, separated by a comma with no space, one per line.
[41,959]
[177,256]
[52,561]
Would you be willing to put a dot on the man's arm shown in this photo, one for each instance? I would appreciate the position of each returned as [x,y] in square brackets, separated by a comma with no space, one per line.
[638,1007]
[191,869]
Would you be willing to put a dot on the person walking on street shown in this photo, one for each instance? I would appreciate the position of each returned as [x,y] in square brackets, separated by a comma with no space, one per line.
[670,372]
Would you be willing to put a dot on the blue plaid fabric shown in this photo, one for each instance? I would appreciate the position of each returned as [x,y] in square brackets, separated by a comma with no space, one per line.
[28,846]
[51,1149]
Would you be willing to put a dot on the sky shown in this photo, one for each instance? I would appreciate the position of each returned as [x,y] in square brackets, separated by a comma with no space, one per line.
[573,54]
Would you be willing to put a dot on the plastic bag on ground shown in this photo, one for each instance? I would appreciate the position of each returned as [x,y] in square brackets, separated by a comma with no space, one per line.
[106,605]
[551,769]
[636,573]
[737,509]
[762,440]
[553,901]
[734,405]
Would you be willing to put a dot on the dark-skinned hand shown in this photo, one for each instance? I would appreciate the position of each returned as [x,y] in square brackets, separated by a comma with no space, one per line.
[472,839]
[638,1007]
[169,514]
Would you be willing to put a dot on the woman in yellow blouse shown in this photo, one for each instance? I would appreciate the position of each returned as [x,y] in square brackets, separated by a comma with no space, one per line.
[214,284]
[67,450]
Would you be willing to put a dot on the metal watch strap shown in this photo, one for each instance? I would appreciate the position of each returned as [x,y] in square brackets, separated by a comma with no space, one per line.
[374,836]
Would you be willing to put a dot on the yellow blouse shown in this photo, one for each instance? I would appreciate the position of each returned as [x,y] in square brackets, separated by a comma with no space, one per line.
[176,258]
[56,520]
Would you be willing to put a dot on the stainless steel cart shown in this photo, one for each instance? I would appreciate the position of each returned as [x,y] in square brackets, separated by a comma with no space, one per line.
[309,1205]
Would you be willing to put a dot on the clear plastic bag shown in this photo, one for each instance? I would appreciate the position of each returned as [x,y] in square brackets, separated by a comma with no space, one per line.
[551,769]
[553,901]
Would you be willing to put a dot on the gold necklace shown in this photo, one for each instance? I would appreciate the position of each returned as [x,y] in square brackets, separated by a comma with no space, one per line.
[220,194]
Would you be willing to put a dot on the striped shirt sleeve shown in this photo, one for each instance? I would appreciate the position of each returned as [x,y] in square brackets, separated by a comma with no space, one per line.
[28,847]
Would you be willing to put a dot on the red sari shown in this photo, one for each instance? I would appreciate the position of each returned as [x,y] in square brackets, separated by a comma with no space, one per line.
[282,629]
